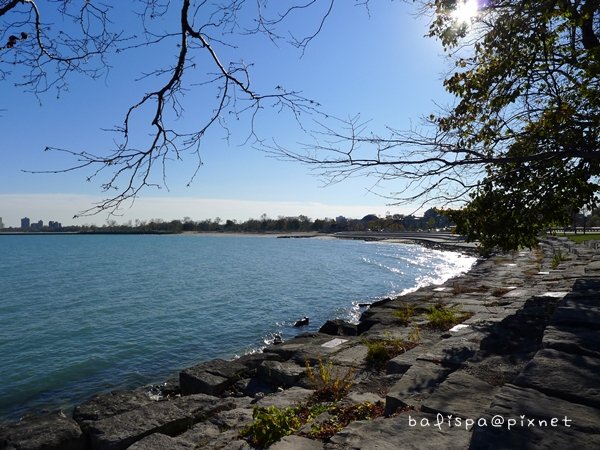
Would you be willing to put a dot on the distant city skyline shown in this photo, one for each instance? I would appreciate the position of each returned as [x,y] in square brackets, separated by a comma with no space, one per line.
[60,208]
[27,224]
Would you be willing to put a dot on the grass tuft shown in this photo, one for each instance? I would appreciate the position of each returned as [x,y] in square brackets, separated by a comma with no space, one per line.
[404,314]
[443,318]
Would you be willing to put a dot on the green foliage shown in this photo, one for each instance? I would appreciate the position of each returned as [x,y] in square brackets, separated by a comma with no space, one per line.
[527,80]
[557,259]
[380,351]
[330,383]
[342,416]
[404,314]
[271,424]
[444,318]
[414,335]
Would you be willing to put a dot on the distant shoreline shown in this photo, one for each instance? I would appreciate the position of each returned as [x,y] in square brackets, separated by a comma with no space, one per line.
[431,239]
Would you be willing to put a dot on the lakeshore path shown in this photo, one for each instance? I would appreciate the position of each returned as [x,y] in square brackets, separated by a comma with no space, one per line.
[523,371]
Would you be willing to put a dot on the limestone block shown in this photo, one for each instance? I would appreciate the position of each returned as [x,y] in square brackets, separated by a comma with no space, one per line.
[53,431]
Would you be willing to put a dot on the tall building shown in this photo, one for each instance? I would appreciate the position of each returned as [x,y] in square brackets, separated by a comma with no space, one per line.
[1,224]
[25,223]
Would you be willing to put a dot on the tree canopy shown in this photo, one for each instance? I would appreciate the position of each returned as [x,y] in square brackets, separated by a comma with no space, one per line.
[520,146]
[528,107]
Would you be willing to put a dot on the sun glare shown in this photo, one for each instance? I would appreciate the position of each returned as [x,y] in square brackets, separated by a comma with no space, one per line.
[465,11]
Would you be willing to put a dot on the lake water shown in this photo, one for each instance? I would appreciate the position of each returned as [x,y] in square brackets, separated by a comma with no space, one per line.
[84,314]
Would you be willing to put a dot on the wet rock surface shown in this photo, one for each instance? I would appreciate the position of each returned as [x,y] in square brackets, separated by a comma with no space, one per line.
[528,351]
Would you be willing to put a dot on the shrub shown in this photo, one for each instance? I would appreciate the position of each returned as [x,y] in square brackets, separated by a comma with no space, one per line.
[271,424]
[329,382]
[342,416]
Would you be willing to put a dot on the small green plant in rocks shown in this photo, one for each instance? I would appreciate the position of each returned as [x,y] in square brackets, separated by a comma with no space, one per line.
[443,318]
[404,314]
[342,416]
[557,259]
[270,424]
[380,351]
[331,383]
[414,335]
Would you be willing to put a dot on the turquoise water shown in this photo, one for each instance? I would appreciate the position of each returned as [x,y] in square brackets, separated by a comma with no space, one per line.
[84,314]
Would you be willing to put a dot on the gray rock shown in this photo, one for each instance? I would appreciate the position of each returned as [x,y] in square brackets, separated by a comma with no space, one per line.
[228,440]
[109,404]
[232,419]
[296,443]
[123,430]
[160,441]
[462,395]
[304,347]
[593,268]
[354,356]
[418,382]
[290,397]
[53,431]
[401,363]
[253,360]
[523,405]
[167,417]
[251,387]
[284,374]
[451,352]
[498,370]
[362,397]
[572,340]
[581,315]
[338,327]
[212,377]
[200,434]
[410,430]
[563,375]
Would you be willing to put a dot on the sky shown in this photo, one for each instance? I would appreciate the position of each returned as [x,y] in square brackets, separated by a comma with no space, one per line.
[376,63]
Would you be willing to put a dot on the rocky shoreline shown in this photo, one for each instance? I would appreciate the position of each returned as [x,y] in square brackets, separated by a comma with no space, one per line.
[526,349]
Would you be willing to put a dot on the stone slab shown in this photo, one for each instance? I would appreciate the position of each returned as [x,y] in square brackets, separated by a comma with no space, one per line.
[583,341]
[280,374]
[109,404]
[120,431]
[168,417]
[334,343]
[577,316]
[290,397]
[200,434]
[460,394]
[211,377]
[417,383]
[563,375]
[160,441]
[408,431]
[524,405]
[53,431]
[453,351]
[297,443]
[353,356]
[593,267]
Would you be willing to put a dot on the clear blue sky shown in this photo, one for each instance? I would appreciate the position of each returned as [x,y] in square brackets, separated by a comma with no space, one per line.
[380,66]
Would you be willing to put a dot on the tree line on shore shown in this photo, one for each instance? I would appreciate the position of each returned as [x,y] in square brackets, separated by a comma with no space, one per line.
[431,219]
